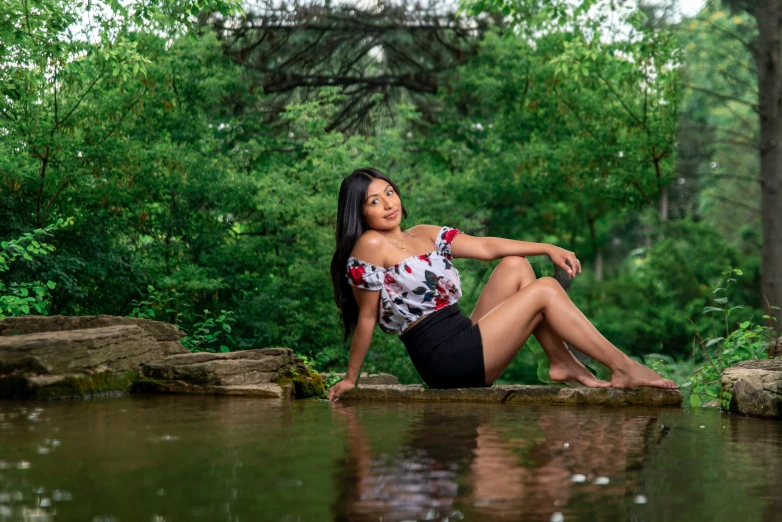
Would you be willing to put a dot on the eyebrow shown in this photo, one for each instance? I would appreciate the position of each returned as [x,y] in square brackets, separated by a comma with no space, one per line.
[373,195]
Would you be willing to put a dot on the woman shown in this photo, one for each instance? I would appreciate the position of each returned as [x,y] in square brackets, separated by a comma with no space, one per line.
[404,281]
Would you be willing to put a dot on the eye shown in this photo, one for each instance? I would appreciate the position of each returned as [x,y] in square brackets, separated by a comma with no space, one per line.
[390,191]
[373,202]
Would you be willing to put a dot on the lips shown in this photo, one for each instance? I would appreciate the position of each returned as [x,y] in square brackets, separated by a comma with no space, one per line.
[392,215]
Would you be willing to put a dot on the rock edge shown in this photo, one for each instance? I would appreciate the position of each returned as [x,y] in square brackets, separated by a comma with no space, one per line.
[520,394]
[753,388]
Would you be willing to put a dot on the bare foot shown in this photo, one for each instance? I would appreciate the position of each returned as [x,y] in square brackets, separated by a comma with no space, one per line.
[571,370]
[634,375]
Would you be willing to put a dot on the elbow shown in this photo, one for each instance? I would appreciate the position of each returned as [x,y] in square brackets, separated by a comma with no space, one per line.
[366,322]
[489,250]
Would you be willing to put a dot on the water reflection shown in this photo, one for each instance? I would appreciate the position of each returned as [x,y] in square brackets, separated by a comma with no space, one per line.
[231,459]
[480,464]
[760,441]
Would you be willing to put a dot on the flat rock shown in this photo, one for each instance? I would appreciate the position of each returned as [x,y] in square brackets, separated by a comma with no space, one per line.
[519,394]
[365,378]
[60,323]
[266,390]
[66,386]
[248,367]
[754,388]
[94,350]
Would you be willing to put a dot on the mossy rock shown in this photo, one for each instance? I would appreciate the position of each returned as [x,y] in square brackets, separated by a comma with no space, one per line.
[68,387]
[147,385]
[306,385]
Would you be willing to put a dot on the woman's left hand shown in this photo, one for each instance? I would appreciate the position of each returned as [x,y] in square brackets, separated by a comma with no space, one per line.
[565,259]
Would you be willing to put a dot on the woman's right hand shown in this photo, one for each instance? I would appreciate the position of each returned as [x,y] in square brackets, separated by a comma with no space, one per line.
[340,388]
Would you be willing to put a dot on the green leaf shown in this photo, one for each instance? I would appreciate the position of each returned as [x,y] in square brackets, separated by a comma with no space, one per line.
[721,300]
[51,284]
[744,324]
[711,342]
[695,400]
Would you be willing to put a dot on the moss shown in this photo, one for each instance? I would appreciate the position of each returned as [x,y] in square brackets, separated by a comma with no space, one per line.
[725,398]
[305,385]
[106,383]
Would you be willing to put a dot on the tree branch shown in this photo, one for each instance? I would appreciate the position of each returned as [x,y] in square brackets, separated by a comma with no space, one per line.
[721,96]
[734,202]
[616,94]
[747,45]
[84,94]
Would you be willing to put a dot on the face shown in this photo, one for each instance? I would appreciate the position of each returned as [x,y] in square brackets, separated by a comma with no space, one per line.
[382,206]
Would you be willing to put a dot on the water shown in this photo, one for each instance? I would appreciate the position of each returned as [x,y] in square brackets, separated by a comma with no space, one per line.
[181,458]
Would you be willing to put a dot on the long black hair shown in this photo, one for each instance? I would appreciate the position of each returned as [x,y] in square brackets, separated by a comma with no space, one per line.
[350,226]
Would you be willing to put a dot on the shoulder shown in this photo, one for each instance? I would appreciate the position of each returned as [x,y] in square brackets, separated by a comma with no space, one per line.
[429,231]
[370,248]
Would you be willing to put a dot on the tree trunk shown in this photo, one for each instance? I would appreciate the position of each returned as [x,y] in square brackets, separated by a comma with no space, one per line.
[768,14]
[664,204]
[599,264]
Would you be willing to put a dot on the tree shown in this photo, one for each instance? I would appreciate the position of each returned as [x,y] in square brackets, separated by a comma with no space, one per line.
[766,48]
[375,56]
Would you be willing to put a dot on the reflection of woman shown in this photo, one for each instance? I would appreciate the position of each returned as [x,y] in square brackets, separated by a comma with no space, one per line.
[405,282]
[469,460]
[417,480]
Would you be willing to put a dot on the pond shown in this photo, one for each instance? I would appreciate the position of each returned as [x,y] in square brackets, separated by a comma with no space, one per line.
[189,458]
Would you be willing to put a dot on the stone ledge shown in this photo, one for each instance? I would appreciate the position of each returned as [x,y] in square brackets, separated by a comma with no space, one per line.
[35,324]
[520,394]
[67,386]
[754,388]
[266,391]
[367,378]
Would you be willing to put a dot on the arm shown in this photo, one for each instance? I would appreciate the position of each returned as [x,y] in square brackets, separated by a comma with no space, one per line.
[369,248]
[491,248]
[368,305]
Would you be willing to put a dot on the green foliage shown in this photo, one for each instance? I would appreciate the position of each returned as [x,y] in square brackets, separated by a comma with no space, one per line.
[731,342]
[145,309]
[309,363]
[192,194]
[331,379]
[209,332]
[646,305]
[24,298]
[719,137]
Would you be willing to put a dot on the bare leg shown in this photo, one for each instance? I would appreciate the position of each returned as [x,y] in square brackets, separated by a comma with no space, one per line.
[506,328]
[511,275]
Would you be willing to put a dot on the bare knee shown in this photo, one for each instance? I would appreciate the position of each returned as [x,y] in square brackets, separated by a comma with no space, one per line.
[521,266]
[517,262]
[548,286]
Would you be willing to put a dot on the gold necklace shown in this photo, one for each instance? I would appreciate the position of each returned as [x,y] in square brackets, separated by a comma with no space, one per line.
[396,245]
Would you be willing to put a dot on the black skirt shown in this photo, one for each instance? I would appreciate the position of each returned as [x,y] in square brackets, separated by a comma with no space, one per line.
[447,350]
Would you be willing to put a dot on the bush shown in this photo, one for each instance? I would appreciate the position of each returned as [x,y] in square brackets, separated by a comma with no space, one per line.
[25,298]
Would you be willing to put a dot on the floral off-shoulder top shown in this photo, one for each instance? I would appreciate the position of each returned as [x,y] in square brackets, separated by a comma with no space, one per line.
[412,288]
